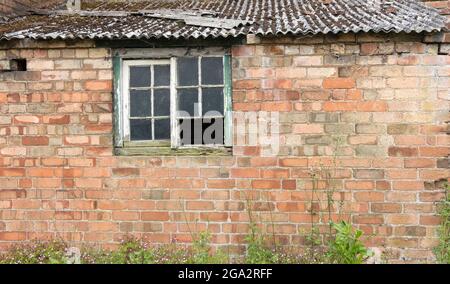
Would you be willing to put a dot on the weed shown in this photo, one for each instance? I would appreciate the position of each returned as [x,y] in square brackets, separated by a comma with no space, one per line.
[442,251]
[347,247]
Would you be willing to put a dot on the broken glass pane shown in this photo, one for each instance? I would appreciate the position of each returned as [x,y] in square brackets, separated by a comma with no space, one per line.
[188,71]
[188,101]
[141,129]
[140,103]
[162,129]
[140,76]
[161,101]
[212,71]
[162,75]
[212,101]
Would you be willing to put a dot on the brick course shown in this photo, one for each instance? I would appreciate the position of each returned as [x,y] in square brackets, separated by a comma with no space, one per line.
[385,98]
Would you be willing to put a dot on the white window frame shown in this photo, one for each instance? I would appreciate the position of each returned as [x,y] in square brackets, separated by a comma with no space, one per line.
[124,120]
[127,64]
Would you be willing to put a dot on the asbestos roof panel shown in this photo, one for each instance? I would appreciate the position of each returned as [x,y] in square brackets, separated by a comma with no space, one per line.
[265,17]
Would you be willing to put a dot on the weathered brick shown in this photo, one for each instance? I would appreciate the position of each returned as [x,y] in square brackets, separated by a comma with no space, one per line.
[339,83]
[368,174]
[35,140]
[403,151]
[98,86]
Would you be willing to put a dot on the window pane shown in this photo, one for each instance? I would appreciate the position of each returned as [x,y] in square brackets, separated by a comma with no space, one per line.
[140,103]
[187,101]
[212,71]
[188,71]
[162,75]
[162,129]
[201,132]
[212,101]
[141,129]
[161,101]
[140,76]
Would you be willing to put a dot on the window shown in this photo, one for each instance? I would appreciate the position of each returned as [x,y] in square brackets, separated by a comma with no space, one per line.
[18,64]
[168,104]
[147,100]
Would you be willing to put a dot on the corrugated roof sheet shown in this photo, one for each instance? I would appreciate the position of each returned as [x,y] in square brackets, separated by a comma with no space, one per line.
[266,17]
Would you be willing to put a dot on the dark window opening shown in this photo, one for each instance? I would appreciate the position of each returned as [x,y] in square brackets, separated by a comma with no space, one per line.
[18,64]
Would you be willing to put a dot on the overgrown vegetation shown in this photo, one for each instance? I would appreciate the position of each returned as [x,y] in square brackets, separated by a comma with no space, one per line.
[346,247]
[38,252]
[442,251]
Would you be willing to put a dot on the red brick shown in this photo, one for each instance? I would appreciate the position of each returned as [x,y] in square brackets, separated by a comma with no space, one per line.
[200,205]
[99,86]
[266,184]
[276,106]
[370,196]
[41,172]
[126,216]
[402,152]
[35,140]
[26,119]
[420,163]
[12,236]
[125,172]
[359,185]
[221,183]
[371,106]
[246,106]
[245,173]
[263,161]
[247,84]
[293,162]
[408,185]
[386,208]
[434,151]
[401,174]
[12,172]
[76,140]
[339,83]
[339,106]
[53,161]
[57,119]
[289,184]
[372,219]
[275,173]
[243,50]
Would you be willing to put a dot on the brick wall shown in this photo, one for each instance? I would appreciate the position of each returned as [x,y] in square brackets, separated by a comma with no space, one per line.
[385,98]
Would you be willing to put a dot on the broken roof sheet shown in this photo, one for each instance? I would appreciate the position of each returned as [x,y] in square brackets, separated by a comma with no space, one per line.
[260,17]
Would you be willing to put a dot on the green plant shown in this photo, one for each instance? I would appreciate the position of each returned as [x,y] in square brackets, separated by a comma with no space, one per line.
[257,251]
[133,251]
[442,251]
[201,250]
[36,252]
[130,251]
[347,247]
